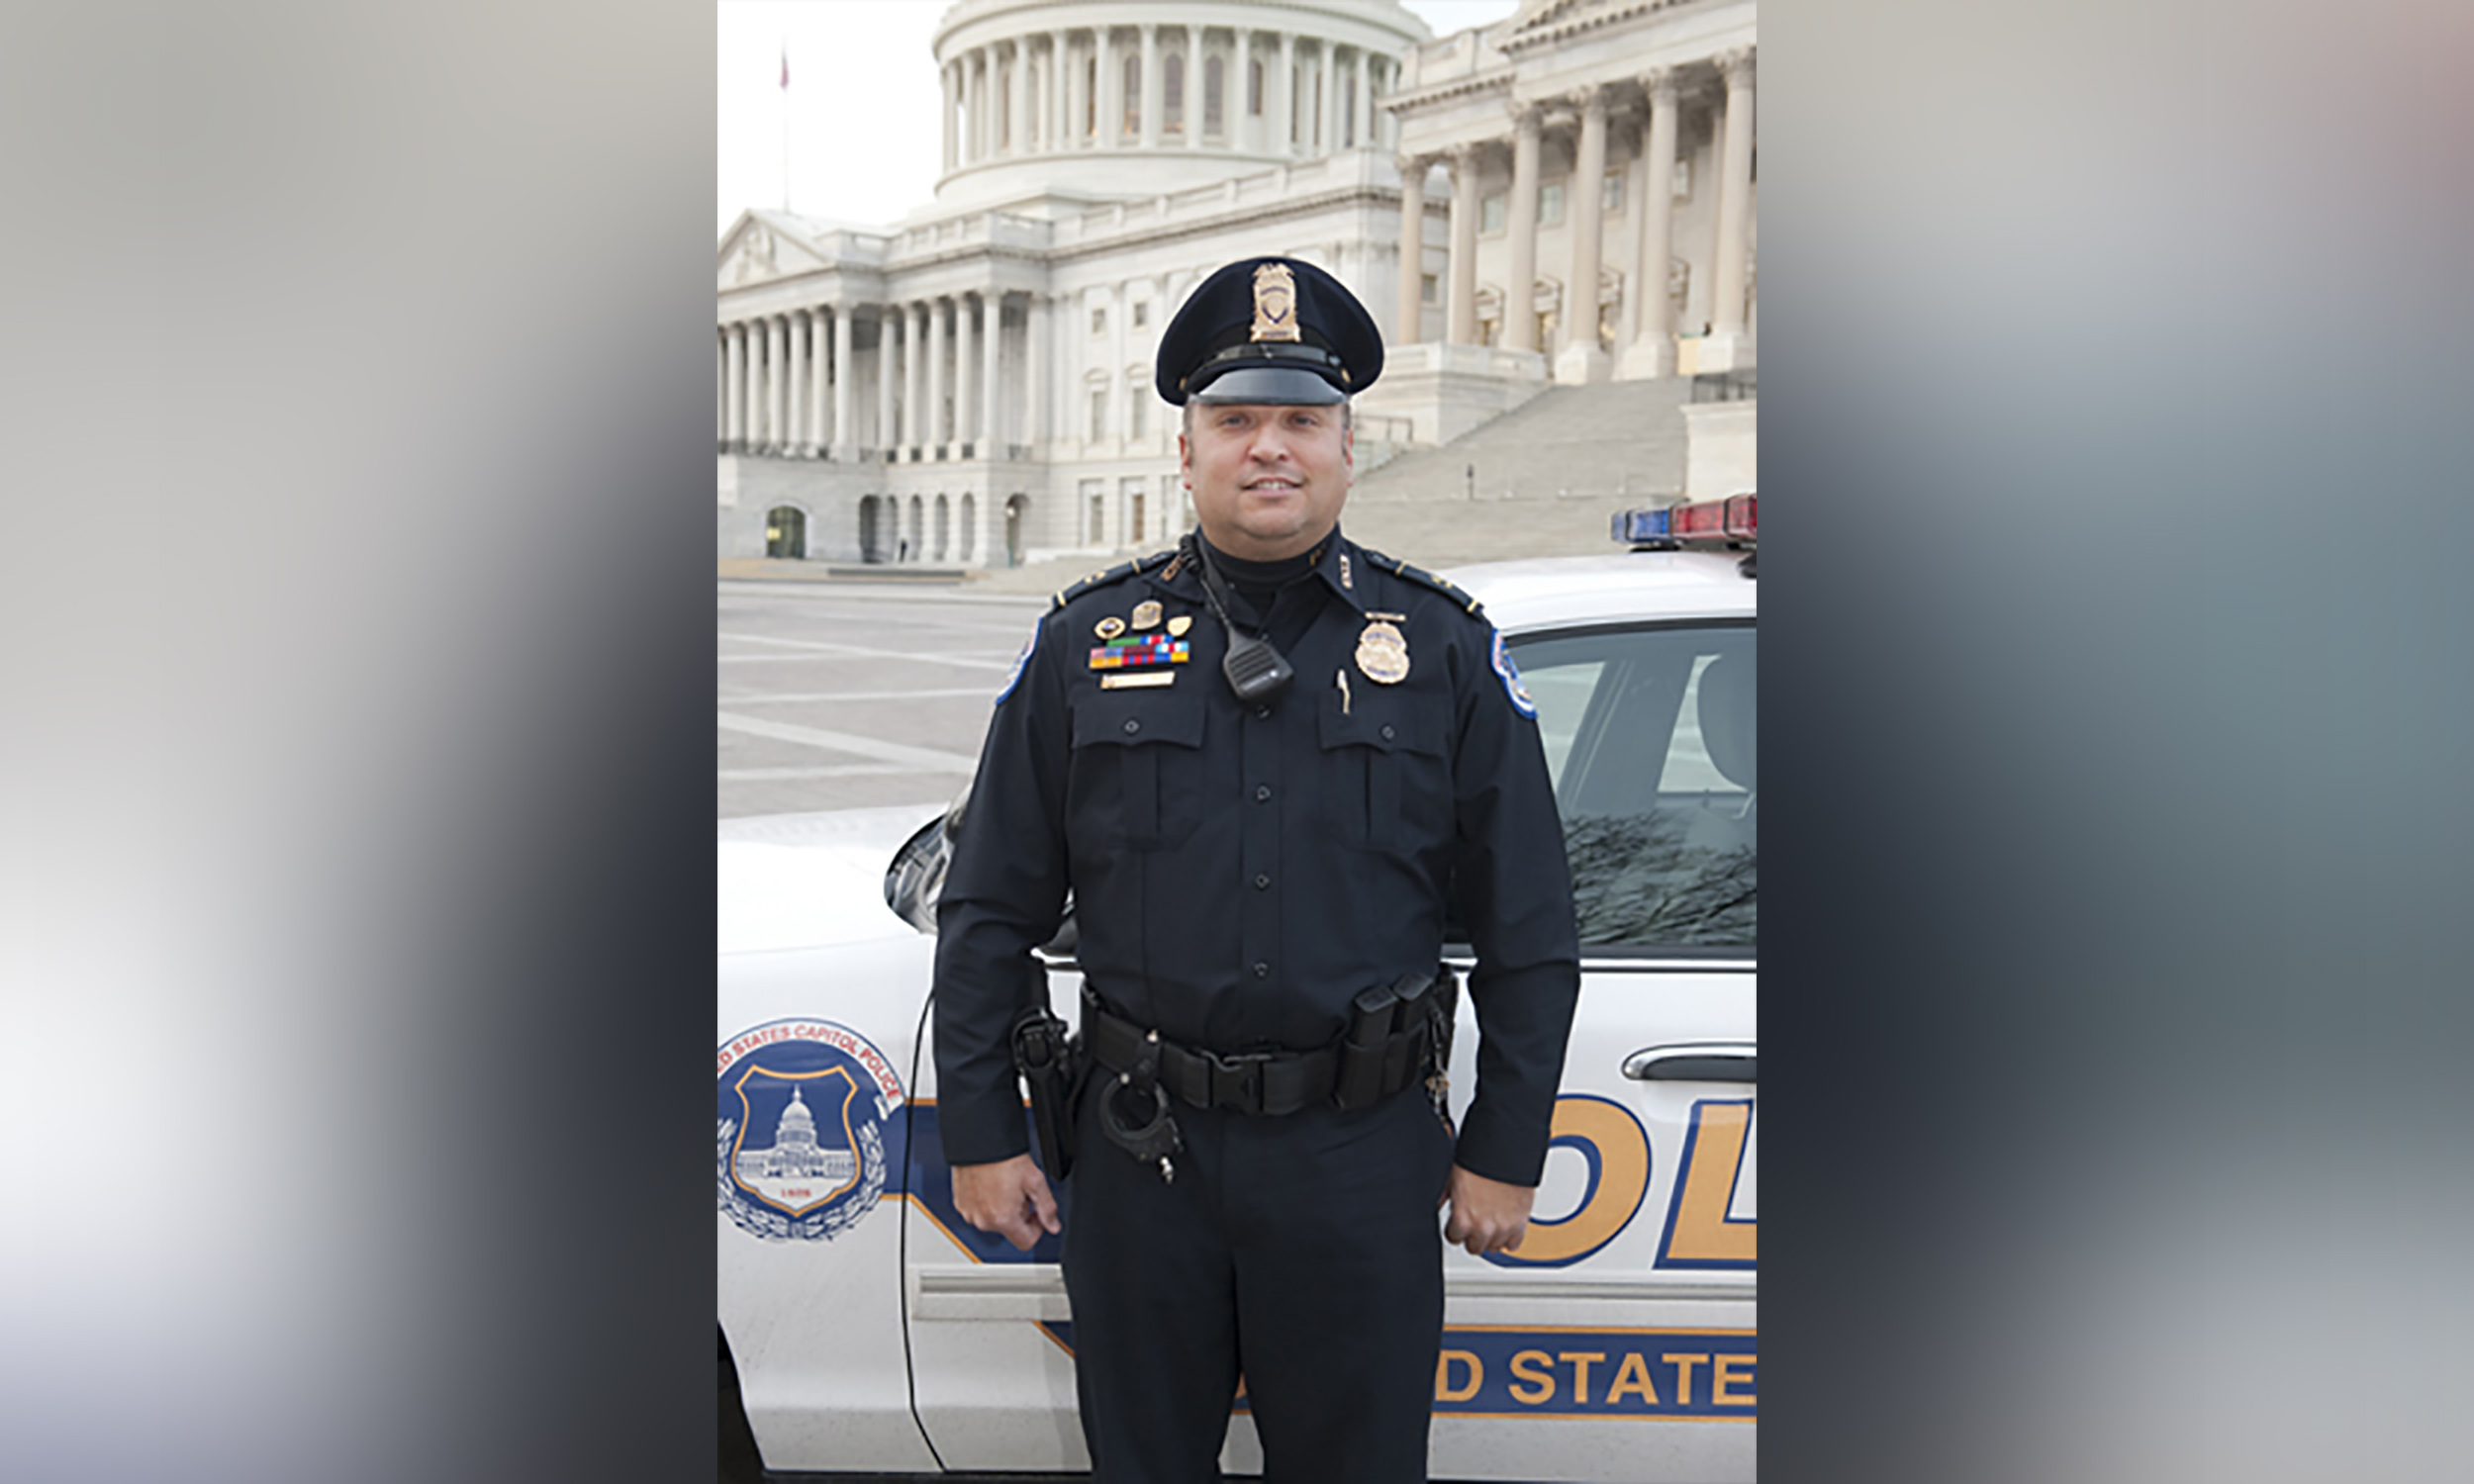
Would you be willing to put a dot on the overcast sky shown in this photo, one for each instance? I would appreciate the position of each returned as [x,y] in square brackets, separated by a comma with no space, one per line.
[864,139]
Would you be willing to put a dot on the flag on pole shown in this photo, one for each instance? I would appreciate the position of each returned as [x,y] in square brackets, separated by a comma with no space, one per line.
[786,69]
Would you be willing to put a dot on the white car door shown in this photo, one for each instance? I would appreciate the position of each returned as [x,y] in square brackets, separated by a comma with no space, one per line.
[1619,1342]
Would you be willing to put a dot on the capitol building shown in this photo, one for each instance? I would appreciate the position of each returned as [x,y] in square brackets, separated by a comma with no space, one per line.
[1561,200]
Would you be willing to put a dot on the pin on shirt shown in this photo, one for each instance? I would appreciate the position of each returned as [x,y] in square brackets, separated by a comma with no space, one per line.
[1341,679]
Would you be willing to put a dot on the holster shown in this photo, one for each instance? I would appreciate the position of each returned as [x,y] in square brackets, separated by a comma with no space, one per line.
[1051,1064]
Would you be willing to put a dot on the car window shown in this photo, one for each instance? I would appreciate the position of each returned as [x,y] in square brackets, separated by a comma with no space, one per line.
[1650,735]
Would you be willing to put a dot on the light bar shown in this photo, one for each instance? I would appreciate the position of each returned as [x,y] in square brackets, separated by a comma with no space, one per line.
[1734,520]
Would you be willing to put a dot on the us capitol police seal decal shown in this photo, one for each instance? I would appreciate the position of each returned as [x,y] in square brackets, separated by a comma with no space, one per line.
[801,1110]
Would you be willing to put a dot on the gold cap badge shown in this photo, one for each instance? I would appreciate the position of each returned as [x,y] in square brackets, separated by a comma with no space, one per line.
[1275,302]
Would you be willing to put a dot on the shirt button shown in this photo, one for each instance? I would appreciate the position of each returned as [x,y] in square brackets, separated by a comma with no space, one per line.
[1261,883]
[1262,971]
[1387,734]
[1132,727]
[1263,793]
[1261,714]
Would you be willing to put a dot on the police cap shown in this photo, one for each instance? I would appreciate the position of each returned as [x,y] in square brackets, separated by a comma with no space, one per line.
[1272,330]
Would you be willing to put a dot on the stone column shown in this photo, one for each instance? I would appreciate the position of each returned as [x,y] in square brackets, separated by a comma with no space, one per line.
[966,429]
[1112,131]
[1582,360]
[1060,91]
[1652,352]
[887,435]
[967,138]
[1461,315]
[770,404]
[734,421]
[819,367]
[992,397]
[1240,129]
[913,375]
[1410,327]
[1285,128]
[1520,280]
[1151,86]
[1194,88]
[945,84]
[795,376]
[1038,311]
[1327,74]
[1019,103]
[1361,110]
[845,387]
[933,406]
[720,383]
[1729,345]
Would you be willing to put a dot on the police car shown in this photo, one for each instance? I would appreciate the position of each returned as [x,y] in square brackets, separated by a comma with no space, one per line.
[874,1330]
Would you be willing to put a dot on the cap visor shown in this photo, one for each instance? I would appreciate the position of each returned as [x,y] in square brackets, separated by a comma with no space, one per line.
[1270,386]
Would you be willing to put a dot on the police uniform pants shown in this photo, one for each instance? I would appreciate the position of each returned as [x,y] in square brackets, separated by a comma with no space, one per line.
[1302,1253]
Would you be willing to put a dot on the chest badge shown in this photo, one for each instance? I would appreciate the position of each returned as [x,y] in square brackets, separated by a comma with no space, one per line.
[1146,614]
[1383,654]
[1179,625]
[1109,627]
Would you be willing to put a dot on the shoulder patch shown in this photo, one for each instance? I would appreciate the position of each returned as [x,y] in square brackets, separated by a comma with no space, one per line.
[1021,662]
[1509,672]
[1115,574]
[1423,579]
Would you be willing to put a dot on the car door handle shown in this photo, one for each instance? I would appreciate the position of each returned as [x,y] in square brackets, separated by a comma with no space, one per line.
[1707,1062]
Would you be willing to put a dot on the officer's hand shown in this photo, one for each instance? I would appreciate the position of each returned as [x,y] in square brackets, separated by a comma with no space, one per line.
[1011,1199]
[1488,1216]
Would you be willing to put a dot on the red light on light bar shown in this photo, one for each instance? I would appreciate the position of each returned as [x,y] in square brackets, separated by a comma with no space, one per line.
[1702,518]
[1732,519]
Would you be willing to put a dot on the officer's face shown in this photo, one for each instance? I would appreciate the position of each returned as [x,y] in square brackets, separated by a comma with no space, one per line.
[1268,482]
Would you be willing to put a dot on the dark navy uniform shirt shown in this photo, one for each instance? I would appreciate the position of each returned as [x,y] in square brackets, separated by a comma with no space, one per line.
[1239,872]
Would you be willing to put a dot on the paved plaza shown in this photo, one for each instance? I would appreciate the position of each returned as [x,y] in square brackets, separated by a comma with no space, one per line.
[845,696]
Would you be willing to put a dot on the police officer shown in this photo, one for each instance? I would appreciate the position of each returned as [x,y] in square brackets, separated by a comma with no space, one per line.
[1260,764]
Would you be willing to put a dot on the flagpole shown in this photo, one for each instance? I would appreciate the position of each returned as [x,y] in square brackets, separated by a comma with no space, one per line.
[785,123]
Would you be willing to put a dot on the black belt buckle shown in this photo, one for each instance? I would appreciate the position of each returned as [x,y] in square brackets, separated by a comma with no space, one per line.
[1237,1081]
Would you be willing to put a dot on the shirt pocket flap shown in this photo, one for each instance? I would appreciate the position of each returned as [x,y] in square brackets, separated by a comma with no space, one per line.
[1133,718]
[1387,722]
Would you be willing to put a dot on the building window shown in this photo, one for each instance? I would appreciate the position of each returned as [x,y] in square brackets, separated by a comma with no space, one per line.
[1173,94]
[1429,289]
[1134,522]
[1611,192]
[1099,519]
[1091,97]
[1348,113]
[1142,312]
[1254,89]
[1098,413]
[1213,120]
[1491,216]
[1005,109]
[1550,204]
[1138,411]
[1134,95]
[1100,321]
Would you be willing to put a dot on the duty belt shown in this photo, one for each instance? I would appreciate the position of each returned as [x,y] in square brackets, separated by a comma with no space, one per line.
[1355,1072]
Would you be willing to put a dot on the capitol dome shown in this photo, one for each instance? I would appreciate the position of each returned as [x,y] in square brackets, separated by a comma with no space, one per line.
[1073,101]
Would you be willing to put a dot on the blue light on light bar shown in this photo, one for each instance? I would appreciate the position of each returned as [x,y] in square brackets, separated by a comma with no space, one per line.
[1641,526]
